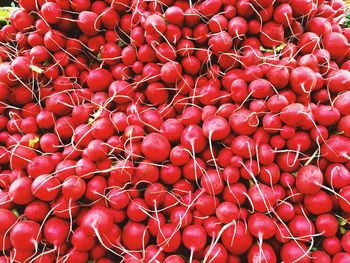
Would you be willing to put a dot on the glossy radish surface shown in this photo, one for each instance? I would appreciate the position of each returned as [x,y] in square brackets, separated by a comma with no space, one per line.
[175,131]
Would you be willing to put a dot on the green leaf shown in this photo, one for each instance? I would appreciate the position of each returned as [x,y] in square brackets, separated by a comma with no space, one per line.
[342,221]
[34,141]
[36,69]
[280,47]
[342,230]
[346,22]
[46,63]
[15,212]
[5,13]
[275,49]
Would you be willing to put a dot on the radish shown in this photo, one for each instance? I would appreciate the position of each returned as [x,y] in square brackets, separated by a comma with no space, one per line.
[302,80]
[327,224]
[36,211]
[302,228]
[319,255]
[338,80]
[25,235]
[8,219]
[56,231]
[45,187]
[335,149]
[343,202]
[20,191]
[81,241]
[341,102]
[146,129]
[237,233]
[263,253]
[97,221]
[216,253]
[89,23]
[321,198]
[169,238]
[309,179]
[261,226]
[194,238]
[262,197]
[333,42]
[294,250]
[51,12]
[156,147]
[133,230]
[272,34]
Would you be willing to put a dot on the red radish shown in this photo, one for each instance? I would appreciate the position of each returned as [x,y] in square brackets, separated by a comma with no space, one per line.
[272,34]
[221,42]
[210,7]
[216,128]
[344,198]
[336,149]
[261,226]
[243,122]
[81,241]
[323,200]
[216,253]
[36,211]
[8,220]
[20,191]
[320,256]
[342,103]
[226,212]
[73,188]
[99,79]
[132,231]
[169,238]
[212,182]
[295,115]
[45,187]
[337,80]
[89,23]
[97,221]
[341,257]
[302,80]
[309,179]
[56,231]
[302,228]
[331,245]
[171,72]
[264,253]
[263,197]
[194,237]
[334,42]
[193,139]
[25,235]
[294,250]
[327,224]
[155,25]
[337,176]
[51,12]
[237,233]
[156,147]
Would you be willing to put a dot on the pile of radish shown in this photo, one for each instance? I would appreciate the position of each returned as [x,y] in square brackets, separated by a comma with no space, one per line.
[175,131]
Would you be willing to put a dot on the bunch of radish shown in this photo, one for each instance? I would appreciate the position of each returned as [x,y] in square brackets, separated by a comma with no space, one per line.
[175,131]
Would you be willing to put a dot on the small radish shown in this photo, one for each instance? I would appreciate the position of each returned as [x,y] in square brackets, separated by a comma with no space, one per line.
[309,179]
[237,234]
[261,226]
[25,235]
